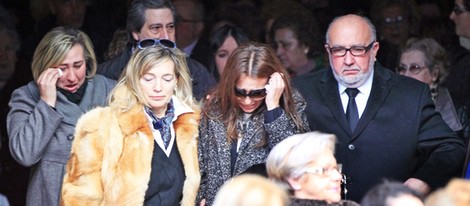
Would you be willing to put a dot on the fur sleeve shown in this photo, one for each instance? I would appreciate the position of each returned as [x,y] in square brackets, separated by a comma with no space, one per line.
[82,184]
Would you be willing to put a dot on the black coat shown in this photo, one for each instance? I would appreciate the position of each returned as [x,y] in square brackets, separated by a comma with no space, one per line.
[399,135]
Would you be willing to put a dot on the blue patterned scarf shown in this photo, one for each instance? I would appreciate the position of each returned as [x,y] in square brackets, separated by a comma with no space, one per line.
[163,125]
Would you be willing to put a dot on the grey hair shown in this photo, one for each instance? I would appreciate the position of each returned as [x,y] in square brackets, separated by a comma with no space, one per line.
[291,157]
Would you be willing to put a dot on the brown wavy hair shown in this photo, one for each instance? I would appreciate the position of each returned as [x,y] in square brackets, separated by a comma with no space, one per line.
[254,60]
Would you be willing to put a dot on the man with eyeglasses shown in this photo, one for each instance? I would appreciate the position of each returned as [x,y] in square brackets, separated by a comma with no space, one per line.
[386,124]
[155,19]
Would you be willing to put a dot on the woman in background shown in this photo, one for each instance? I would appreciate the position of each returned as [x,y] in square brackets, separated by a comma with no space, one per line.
[223,42]
[426,61]
[298,43]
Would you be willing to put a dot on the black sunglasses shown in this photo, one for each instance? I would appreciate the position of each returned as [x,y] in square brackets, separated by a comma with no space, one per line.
[154,42]
[257,94]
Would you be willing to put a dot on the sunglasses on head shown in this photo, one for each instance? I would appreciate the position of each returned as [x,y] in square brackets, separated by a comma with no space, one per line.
[154,42]
[254,94]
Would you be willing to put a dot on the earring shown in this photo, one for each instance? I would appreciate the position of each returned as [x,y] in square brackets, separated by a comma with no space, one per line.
[434,90]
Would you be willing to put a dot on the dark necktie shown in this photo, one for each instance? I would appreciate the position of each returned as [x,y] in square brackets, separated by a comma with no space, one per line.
[351,112]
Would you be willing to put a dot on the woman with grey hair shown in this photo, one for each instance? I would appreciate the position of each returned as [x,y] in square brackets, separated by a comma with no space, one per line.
[43,115]
[305,165]
[425,60]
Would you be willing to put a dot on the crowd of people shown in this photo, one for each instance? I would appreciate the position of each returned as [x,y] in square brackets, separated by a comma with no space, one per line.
[189,102]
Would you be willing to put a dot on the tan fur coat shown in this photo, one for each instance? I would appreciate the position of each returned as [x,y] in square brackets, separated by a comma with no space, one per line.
[111,158]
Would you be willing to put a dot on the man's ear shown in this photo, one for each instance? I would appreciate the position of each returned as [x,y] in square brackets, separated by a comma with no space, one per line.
[375,48]
[135,36]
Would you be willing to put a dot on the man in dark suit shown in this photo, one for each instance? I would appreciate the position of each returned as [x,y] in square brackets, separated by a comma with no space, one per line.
[395,132]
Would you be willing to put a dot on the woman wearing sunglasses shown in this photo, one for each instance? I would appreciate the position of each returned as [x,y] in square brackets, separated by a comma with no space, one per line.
[252,109]
[426,61]
[142,148]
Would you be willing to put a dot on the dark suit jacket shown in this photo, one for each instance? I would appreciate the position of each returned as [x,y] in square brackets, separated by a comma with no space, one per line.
[201,79]
[399,135]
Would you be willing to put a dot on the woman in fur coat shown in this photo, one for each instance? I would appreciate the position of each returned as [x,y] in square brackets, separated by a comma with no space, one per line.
[142,148]
[252,109]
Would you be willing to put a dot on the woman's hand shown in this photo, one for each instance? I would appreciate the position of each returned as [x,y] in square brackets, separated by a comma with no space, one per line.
[47,85]
[274,90]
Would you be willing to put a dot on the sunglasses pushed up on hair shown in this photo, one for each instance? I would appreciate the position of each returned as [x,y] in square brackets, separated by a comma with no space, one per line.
[145,43]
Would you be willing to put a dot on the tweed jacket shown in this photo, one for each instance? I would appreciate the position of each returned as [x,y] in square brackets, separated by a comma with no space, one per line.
[110,163]
[41,136]
[214,150]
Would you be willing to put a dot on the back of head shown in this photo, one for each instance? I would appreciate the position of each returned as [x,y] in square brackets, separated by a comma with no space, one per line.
[136,13]
[456,193]
[382,194]
[251,190]
[291,157]
[55,45]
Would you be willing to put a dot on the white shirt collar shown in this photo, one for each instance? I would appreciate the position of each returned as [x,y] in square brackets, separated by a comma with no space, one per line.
[361,98]
[180,108]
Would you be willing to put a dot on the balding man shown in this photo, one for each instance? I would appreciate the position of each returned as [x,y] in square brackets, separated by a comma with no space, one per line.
[386,124]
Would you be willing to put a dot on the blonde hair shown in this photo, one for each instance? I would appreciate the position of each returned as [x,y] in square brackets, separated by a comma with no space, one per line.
[291,156]
[56,44]
[456,193]
[251,190]
[128,91]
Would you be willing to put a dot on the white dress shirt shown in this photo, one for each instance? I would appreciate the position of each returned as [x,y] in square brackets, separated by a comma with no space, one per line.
[362,96]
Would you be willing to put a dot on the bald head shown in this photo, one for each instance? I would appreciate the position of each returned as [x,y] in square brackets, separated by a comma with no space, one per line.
[351,47]
[351,23]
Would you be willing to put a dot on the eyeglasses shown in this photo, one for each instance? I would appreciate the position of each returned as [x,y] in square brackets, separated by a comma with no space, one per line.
[257,94]
[325,171]
[458,10]
[397,20]
[414,69]
[355,50]
[153,42]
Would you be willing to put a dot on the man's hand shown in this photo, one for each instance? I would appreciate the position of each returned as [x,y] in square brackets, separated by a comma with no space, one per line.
[418,185]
